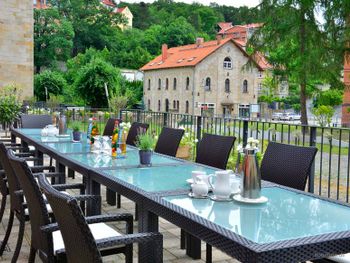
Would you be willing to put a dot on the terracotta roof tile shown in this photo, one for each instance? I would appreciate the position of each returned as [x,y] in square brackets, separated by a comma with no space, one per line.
[109,3]
[120,9]
[189,55]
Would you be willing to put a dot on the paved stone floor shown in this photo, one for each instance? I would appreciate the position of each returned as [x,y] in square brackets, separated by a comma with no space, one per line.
[171,235]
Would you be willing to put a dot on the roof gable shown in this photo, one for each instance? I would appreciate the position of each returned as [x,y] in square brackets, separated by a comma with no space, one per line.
[190,55]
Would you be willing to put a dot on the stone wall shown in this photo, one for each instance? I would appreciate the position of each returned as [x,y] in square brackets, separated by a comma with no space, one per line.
[16,45]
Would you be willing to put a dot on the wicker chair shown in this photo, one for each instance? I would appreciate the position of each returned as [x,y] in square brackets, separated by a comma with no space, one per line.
[108,131]
[35,121]
[80,240]
[214,150]
[18,207]
[168,141]
[4,191]
[135,129]
[288,165]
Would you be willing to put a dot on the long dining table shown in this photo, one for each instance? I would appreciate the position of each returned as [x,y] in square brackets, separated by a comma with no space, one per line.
[292,226]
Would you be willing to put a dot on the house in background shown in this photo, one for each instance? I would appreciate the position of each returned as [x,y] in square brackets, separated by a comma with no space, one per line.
[241,34]
[124,11]
[202,77]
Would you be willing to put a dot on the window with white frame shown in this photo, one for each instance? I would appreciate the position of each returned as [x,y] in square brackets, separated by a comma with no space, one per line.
[227,63]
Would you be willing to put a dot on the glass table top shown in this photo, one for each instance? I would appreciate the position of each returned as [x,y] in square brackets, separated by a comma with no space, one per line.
[27,131]
[159,178]
[132,159]
[287,215]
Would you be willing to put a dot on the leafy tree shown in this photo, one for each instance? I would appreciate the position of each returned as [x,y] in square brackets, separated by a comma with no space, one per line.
[94,25]
[324,115]
[270,87]
[53,38]
[179,33]
[52,80]
[329,97]
[295,44]
[91,80]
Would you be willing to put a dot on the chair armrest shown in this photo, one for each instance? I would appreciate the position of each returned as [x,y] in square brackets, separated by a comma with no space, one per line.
[62,187]
[109,218]
[50,174]
[40,168]
[132,238]
[25,154]
[49,228]
[19,193]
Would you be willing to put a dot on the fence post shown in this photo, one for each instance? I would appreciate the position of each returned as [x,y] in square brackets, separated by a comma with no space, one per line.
[138,118]
[165,119]
[199,128]
[245,132]
[313,134]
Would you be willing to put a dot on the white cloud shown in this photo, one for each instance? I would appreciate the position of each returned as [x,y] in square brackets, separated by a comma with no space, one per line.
[236,3]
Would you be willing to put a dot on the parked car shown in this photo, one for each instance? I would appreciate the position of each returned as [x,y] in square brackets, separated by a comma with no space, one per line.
[288,116]
[276,116]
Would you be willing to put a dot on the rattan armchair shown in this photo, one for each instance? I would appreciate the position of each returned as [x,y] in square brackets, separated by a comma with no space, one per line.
[287,165]
[32,121]
[83,243]
[169,141]
[18,204]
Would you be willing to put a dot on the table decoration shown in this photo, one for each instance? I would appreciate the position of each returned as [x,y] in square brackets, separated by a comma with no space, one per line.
[62,124]
[115,137]
[76,131]
[125,127]
[145,142]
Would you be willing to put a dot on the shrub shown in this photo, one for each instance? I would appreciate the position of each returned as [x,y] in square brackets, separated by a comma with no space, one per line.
[52,80]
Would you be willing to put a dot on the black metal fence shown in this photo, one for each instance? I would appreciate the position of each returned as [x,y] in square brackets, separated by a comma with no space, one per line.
[332,163]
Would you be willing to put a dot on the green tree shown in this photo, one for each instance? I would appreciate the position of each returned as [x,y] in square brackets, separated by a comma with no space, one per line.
[10,105]
[323,115]
[179,33]
[329,97]
[91,80]
[296,46]
[53,38]
[53,81]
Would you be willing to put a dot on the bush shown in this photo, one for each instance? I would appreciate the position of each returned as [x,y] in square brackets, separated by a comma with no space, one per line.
[52,80]
[91,79]
[9,104]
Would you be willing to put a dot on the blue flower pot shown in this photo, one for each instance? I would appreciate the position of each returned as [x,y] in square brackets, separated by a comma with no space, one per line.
[145,157]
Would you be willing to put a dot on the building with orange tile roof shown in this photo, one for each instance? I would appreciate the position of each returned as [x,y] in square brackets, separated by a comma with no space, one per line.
[40,4]
[124,11]
[202,77]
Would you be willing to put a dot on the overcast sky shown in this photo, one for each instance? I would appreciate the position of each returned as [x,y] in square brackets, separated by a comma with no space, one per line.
[236,3]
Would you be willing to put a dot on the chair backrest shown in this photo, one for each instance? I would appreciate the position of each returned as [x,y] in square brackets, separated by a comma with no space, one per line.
[214,150]
[12,181]
[35,121]
[288,165]
[79,242]
[168,141]
[36,205]
[108,131]
[135,129]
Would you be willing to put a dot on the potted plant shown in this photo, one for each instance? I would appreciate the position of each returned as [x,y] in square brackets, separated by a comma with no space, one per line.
[145,142]
[187,143]
[76,131]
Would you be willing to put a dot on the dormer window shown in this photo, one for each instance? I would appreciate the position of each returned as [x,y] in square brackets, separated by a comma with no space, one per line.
[227,63]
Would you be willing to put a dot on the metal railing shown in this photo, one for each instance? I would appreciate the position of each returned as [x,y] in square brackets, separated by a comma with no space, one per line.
[332,162]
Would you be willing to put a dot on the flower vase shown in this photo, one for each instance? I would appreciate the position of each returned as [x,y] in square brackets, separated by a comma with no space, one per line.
[123,142]
[145,157]
[251,177]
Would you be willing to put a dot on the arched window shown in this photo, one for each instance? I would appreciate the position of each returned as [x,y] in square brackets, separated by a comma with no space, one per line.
[167,83]
[227,63]
[227,85]
[159,84]
[174,104]
[245,86]
[159,106]
[149,84]
[175,83]
[149,104]
[178,105]
[187,106]
[207,84]
[187,83]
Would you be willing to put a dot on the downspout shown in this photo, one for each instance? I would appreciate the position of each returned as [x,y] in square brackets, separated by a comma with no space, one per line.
[193,89]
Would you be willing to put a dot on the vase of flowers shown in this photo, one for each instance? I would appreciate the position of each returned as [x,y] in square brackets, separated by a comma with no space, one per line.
[145,142]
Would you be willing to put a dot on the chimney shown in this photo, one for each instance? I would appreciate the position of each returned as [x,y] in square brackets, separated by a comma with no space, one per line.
[164,52]
[199,41]
[218,39]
